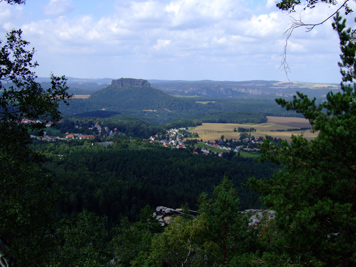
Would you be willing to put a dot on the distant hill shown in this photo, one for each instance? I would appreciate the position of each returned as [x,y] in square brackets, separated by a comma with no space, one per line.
[80,86]
[97,114]
[208,88]
[206,101]
[243,89]
[133,96]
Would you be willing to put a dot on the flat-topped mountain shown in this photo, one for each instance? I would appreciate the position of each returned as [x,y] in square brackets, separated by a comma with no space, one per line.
[137,97]
[132,96]
[132,93]
[206,88]
[123,82]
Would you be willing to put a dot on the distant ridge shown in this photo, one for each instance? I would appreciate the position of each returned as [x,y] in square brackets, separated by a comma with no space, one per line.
[212,101]
[123,82]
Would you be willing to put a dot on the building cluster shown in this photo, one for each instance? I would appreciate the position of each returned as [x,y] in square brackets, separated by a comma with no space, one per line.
[28,121]
[174,138]
[76,132]
[79,136]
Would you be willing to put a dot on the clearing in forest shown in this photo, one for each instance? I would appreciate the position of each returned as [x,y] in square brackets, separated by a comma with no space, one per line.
[80,96]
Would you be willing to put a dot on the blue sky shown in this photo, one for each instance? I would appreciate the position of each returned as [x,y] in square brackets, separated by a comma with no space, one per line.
[174,39]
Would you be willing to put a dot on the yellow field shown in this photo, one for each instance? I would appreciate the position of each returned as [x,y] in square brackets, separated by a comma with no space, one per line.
[213,131]
[326,85]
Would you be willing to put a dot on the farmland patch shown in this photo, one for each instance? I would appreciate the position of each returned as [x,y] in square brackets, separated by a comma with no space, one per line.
[80,96]
[276,127]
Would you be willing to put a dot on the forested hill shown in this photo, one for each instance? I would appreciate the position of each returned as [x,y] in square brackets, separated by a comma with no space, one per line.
[133,94]
[137,97]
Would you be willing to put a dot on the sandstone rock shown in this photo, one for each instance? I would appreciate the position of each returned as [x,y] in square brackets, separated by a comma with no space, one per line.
[130,82]
[164,214]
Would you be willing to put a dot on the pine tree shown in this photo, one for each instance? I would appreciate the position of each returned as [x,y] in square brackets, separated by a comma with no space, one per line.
[315,195]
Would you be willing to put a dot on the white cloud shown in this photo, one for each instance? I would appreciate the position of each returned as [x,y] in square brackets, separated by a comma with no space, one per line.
[149,10]
[58,7]
[190,28]
[186,14]
[208,33]
[9,15]
[265,25]
[5,12]
[270,3]
[295,47]
[161,44]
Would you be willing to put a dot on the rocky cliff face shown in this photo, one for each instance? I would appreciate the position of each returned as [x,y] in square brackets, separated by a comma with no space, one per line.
[130,82]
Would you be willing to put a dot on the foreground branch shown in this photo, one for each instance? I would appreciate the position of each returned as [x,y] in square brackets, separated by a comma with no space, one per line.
[298,23]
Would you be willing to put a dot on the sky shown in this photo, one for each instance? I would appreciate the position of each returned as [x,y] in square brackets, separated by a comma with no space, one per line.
[222,40]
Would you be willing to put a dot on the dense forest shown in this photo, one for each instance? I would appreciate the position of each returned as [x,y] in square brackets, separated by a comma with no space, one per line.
[120,179]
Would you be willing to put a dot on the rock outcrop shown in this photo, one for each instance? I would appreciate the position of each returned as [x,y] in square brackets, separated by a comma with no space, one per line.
[130,82]
[163,214]
[256,216]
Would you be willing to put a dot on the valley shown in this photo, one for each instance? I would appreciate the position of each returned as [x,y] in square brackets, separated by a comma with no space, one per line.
[126,148]
[120,171]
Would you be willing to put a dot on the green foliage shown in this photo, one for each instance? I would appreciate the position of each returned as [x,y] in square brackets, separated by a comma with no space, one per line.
[97,114]
[133,239]
[217,235]
[291,4]
[180,123]
[227,227]
[27,201]
[121,179]
[26,98]
[81,241]
[27,194]
[11,2]
[234,117]
[183,242]
[314,196]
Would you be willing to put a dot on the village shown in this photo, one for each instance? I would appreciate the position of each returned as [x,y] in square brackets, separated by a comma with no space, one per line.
[182,138]
[175,138]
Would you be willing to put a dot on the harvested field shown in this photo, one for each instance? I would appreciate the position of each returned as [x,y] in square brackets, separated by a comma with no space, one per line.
[334,86]
[81,96]
[278,127]
[289,121]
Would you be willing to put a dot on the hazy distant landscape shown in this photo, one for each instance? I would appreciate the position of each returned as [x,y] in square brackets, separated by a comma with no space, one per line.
[207,101]
[213,107]
[209,88]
